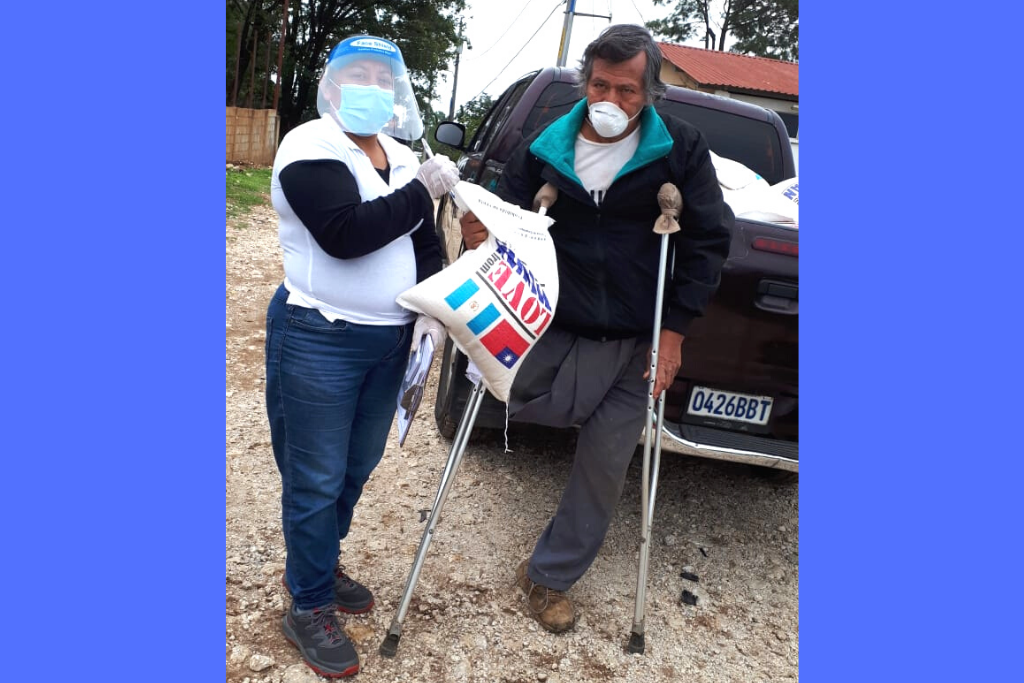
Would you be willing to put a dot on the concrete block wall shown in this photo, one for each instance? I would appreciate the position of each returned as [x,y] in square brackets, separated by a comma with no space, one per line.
[251,136]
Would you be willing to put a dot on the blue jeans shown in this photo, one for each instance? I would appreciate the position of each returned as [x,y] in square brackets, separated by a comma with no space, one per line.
[331,397]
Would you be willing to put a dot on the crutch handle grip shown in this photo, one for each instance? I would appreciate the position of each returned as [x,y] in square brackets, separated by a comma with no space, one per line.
[671,202]
[545,197]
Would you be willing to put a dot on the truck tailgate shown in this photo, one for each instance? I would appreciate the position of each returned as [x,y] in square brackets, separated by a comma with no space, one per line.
[747,339]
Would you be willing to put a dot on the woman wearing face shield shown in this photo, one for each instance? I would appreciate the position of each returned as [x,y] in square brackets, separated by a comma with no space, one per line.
[356,228]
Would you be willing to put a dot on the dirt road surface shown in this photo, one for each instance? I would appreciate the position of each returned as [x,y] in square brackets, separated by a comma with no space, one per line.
[467,621]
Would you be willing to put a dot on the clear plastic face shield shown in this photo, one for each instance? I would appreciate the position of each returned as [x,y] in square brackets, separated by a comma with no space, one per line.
[366,89]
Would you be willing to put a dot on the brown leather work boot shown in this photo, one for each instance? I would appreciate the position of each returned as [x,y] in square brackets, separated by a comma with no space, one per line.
[553,609]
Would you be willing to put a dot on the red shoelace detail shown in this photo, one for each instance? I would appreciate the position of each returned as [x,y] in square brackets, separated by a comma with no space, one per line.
[327,618]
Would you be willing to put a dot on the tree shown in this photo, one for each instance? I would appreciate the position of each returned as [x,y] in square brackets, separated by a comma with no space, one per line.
[247,22]
[425,30]
[774,31]
[763,28]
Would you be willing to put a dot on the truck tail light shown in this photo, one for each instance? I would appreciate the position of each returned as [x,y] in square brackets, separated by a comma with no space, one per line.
[776,246]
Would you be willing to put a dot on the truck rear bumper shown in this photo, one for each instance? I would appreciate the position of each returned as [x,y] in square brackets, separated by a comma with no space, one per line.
[718,444]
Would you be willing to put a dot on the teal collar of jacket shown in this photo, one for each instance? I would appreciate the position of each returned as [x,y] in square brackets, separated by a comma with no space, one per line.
[557,144]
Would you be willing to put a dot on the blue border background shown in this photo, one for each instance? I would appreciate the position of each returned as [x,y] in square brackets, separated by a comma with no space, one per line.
[113,488]
[113,414]
[910,357]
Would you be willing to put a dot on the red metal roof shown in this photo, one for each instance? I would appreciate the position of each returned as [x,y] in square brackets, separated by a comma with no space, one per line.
[729,70]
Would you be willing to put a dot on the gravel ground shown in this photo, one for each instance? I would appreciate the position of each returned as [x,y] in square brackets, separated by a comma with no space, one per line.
[467,621]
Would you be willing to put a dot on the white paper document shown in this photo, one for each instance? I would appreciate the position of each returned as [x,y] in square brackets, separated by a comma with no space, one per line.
[413,385]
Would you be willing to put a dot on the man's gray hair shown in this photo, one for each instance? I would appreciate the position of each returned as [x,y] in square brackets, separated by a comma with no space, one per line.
[619,43]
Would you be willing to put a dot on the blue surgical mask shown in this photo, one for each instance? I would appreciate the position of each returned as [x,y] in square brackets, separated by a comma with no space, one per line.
[365,109]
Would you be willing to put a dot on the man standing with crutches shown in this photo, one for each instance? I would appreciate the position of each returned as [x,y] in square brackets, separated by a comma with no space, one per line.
[608,158]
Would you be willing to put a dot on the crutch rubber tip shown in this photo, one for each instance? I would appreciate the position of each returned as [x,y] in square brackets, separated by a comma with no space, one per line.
[636,644]
[389,647]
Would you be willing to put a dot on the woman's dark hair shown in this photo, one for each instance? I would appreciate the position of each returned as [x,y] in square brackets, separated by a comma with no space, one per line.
[619,43]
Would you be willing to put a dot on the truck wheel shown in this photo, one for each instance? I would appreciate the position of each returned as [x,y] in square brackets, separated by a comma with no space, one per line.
[452,389]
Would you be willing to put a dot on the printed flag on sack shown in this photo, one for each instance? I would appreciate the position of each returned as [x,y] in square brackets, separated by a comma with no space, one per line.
[511,309]
[498,299]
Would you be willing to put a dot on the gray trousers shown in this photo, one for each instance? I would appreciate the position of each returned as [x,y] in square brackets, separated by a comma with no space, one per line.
[567,380]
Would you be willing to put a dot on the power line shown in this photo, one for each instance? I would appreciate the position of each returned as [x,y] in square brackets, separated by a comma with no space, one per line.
[476,57]
[638,12]
[559,4]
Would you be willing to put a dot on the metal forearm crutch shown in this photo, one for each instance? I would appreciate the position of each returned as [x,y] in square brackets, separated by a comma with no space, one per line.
[389,646]
[671,203]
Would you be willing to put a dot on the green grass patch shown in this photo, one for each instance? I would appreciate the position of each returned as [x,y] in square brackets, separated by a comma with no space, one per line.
[246,188]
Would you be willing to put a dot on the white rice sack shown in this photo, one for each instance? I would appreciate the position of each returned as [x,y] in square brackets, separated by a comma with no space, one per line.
[779,203]
[498,299]
[741,187]
[732,175]
[789,189]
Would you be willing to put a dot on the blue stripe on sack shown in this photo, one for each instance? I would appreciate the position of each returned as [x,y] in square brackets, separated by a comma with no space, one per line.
[483,320]
[462,293]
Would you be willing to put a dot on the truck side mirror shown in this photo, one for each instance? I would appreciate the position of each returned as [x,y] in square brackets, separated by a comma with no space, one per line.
[451,134]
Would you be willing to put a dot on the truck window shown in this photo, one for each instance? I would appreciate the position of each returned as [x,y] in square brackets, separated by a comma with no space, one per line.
[792,122]
[477,143]
[754,143]
[515,93]
[498,114]
[557,99]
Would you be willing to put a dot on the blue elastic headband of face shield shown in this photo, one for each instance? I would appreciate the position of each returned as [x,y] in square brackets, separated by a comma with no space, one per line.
[367,47]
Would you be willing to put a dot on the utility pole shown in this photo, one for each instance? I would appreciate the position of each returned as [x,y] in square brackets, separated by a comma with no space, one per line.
[455,81]
[570,12]
[563,44]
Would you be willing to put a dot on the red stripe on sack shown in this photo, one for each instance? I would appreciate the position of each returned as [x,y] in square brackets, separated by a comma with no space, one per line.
[504,335]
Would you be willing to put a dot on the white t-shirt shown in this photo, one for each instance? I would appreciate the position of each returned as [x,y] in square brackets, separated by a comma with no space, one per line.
[597,163]
[360,290]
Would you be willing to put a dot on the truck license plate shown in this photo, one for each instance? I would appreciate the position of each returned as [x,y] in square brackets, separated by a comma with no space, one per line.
[728,405]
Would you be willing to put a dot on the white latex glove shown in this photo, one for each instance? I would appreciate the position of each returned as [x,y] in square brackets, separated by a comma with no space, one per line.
[438,174]
[432,326]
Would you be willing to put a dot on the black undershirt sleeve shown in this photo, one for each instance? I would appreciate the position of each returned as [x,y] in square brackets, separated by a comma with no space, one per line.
[324,195]
[425,242]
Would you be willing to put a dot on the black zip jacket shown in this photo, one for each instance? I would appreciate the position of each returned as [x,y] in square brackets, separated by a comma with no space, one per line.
[608,254]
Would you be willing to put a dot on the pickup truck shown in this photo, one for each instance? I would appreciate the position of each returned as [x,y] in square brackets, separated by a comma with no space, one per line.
[735,397]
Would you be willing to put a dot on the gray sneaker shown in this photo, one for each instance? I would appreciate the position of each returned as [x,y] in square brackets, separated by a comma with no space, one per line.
[349,595]
[321,640]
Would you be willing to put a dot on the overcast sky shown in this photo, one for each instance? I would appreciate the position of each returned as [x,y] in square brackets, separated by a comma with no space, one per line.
[498,29]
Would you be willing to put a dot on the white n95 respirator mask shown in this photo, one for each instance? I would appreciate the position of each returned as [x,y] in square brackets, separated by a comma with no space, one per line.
[608,120]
